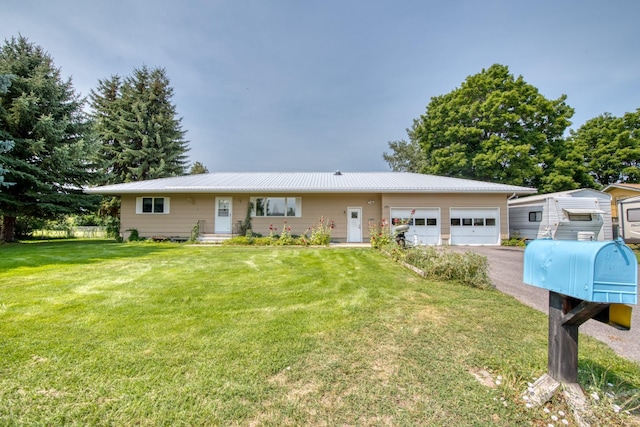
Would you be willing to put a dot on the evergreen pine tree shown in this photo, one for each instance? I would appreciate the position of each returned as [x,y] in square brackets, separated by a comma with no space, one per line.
[136,124]
[5,146]
[42,115]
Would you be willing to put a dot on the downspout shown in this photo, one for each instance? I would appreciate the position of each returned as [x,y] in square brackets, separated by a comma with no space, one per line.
[508,223]
[621,219]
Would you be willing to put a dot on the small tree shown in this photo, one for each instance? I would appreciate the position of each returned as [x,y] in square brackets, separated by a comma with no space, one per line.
[198,168]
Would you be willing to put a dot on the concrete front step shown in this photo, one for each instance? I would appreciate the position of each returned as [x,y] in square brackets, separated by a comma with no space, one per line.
[214,238]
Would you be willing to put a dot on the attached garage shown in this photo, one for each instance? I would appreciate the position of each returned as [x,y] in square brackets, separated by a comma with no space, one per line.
[475,226]
[424,224]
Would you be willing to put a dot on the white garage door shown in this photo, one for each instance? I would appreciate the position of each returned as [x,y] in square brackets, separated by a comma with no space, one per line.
[475,226]
[424,224]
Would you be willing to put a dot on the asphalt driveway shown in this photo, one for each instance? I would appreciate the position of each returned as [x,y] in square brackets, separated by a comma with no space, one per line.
[505,270]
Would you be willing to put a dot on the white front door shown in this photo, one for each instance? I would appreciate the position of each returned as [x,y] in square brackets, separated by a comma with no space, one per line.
[354,225]
[222,222]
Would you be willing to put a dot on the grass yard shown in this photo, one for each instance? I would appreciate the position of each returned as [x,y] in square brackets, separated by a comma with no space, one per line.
[103,333]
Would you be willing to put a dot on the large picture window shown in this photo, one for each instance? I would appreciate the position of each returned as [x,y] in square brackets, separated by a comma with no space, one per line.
[152,205]
[276,206]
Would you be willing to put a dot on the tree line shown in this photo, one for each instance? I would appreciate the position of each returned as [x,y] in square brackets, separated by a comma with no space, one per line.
[496,127]
[52,146]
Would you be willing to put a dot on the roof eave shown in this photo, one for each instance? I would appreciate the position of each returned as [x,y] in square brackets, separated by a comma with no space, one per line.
[301,190]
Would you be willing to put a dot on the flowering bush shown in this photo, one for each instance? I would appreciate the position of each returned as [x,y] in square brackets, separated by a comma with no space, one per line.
[321,233]
[285,237]
[380,235]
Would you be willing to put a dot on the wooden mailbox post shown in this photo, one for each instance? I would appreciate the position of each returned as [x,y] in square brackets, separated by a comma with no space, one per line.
[566,314]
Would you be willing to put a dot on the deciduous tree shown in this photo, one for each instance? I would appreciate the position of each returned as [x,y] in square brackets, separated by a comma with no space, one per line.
[498,128]
[611,147]
[406,156]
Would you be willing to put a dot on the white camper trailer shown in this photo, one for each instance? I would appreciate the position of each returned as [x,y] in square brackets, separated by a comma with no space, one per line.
[583,214]
[629,220]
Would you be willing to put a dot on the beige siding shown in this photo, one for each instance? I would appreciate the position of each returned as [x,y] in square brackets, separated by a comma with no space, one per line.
[331,207]
[188,209]
[446,202]
[184,212]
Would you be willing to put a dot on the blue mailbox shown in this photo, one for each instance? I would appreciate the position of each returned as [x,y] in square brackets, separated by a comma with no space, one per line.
[595,271]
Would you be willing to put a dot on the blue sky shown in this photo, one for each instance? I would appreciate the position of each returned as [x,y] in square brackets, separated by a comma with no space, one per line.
[286,85]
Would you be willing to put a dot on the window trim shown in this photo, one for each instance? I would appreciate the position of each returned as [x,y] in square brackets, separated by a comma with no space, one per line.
[165,205]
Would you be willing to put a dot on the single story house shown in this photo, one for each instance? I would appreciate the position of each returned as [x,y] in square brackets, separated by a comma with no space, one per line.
[440,210]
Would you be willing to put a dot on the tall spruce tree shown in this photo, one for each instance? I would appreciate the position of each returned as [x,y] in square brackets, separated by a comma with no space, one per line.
[42,115]
[5,146]
[135,122]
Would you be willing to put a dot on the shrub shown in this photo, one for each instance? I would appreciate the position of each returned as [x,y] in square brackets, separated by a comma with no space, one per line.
[249,240]
[468,268]
[195,233]
[285,238]
[380,235]
[514,241]
[134,236]
[113,228]
[321,233]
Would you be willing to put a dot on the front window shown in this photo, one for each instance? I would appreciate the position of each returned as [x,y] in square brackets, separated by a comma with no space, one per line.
[152,205]
[276,206]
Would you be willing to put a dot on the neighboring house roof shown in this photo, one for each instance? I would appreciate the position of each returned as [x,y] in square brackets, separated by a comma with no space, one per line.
[580,192]
[632,187]
[309,182]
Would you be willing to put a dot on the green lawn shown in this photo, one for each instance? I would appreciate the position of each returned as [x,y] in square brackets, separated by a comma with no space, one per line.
[102,333]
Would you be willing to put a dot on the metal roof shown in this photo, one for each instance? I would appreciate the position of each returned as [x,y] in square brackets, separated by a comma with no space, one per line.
[309,182]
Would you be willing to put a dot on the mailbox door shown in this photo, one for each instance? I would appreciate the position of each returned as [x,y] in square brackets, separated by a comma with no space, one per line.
[615,277]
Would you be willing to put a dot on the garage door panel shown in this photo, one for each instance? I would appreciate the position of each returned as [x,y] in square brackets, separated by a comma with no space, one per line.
[424,224]
[475,226]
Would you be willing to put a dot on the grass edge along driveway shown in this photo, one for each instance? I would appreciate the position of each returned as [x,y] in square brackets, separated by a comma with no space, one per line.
[98,333]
